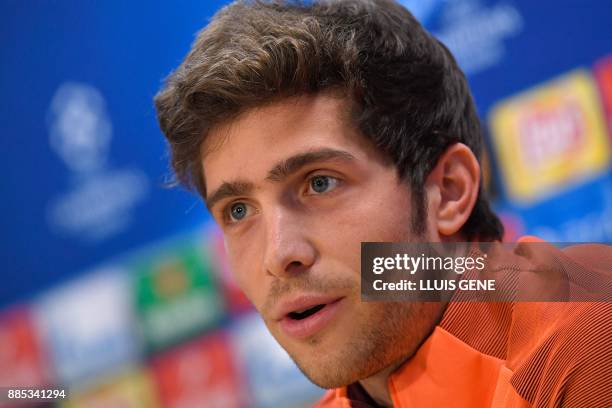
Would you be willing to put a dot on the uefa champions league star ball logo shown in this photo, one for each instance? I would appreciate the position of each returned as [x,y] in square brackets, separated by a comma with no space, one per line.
[100,199]
[80,129]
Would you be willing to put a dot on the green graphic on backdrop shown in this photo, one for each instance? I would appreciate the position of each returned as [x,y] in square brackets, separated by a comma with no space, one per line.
[176,295]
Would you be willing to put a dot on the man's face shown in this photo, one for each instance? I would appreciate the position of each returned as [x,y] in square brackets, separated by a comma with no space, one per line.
[296,189]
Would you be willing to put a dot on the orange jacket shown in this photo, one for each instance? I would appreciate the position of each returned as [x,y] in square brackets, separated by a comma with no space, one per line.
[507,355]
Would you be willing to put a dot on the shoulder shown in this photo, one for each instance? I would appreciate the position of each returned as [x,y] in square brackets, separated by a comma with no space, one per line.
[591,256]
[582,353]
[562,352]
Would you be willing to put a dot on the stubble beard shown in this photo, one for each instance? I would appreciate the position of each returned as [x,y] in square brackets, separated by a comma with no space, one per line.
[391,335]
[386,335]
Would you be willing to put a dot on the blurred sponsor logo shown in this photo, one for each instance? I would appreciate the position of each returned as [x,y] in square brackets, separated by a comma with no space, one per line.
[603,74]
[132,390]
[475,33]
[99,203]
[22,361]
[99,208]
[550,138]
[176,296]
[201,373]
[79,126]
[88,326]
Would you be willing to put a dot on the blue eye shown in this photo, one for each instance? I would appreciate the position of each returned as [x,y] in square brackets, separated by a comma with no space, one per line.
[238,211]
[322,184]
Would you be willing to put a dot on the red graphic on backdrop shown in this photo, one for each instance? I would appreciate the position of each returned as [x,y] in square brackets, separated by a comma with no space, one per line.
[199,374]
[22,362]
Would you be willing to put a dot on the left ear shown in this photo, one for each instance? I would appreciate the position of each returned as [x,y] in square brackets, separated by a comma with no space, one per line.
[452,189]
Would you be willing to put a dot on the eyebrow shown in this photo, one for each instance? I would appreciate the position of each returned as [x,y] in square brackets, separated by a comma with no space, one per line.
[278,173]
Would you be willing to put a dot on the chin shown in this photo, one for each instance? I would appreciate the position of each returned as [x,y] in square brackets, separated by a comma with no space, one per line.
[323,360]
[388,335]
[330,374]
[338,364]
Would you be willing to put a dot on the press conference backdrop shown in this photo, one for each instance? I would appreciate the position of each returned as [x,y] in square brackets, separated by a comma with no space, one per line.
[118,289]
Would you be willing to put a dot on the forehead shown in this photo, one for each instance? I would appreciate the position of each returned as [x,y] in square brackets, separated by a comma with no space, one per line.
[247,147]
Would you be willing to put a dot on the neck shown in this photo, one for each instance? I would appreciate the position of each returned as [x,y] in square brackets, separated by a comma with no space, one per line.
[376,385]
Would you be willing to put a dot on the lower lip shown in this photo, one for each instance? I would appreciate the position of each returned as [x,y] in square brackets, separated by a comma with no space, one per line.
[309,326]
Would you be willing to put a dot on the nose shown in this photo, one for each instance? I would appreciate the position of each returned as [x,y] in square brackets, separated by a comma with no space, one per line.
[288,250]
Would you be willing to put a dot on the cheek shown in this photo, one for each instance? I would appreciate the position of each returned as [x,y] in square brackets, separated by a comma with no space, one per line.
[394,216]
[339,234]
[244,268]
[336,234]
[383,215]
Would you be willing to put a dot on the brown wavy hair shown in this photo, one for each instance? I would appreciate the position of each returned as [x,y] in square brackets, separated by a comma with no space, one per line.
[408,95]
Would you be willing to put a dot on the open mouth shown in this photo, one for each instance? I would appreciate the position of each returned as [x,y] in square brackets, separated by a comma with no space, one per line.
[303,314]
[309,317]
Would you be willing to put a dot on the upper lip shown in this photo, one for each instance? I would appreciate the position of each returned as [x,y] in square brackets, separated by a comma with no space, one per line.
[300,303]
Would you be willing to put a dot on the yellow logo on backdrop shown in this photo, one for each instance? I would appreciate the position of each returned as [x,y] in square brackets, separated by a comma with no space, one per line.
[550,137]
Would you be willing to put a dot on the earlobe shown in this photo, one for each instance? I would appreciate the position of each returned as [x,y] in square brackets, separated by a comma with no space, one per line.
[456,181]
